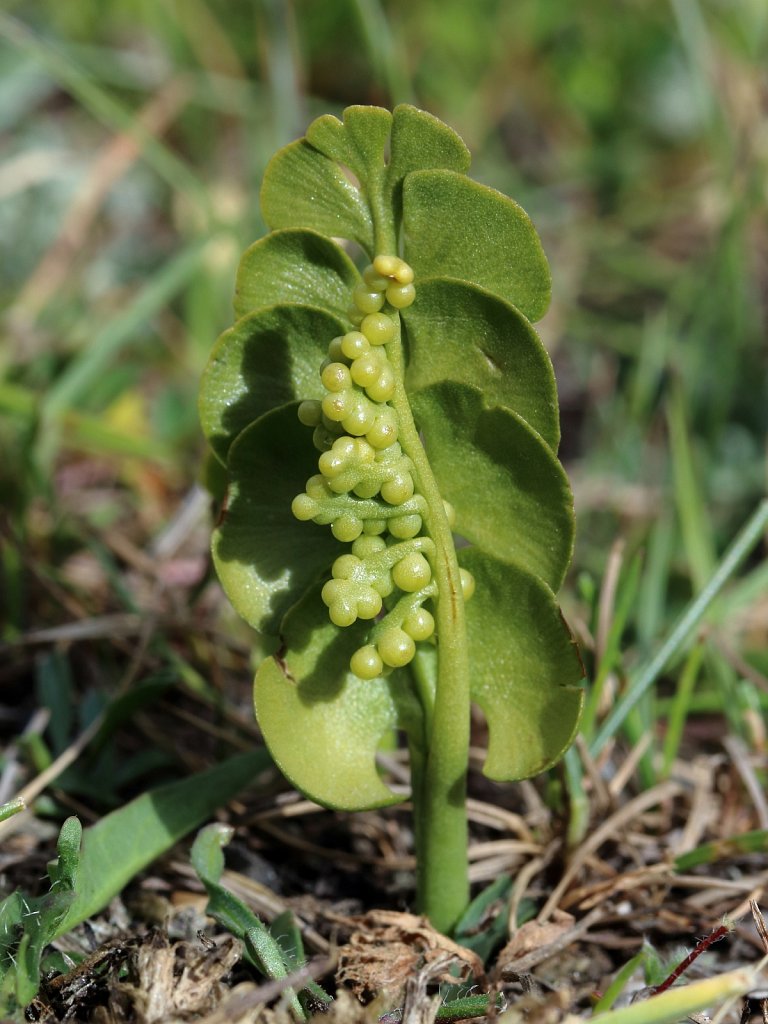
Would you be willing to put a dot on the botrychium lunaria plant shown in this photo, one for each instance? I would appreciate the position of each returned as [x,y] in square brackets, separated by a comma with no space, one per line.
[388,420]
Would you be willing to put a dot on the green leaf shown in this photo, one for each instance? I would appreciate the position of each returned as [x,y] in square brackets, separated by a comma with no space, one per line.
[420,141]
[261,948]
[287,935]
[455,227]
[124,842]
[27,968]
[207,859]
[510,493]
[456,331]
[619,982]
[525,668]
[304,189]
[308,183]
[207,855]
[267,359]
[264,557]
[11,924]
[12,807]
[28,925]
[63,871]
[359,142]
[286,932]
[484,925]
[322,724]
[297,266]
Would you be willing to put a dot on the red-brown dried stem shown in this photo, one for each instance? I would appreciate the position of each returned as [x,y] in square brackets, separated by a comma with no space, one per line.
[701,947]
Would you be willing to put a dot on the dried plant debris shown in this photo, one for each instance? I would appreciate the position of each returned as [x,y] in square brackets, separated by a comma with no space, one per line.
[535,936]
[68,996]
[144,981]
[177,979]
[387,949]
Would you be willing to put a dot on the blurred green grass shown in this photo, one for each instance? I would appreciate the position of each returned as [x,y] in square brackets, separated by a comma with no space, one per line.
[134,136]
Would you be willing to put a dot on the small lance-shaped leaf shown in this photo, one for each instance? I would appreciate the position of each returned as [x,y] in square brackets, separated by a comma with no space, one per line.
[304,189]
[267,359]
[456,331]
[295,265]
[285,930]
[43,916]
[511,495]
[525,668]
[119,845]
[63,871]
[455,227]
[264,557]
[207,859]
[484,925]
[261,948]
[11,925]
[322,724]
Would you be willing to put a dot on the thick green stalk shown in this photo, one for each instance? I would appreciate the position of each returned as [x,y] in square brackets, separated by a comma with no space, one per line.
[439,773]
[439,783]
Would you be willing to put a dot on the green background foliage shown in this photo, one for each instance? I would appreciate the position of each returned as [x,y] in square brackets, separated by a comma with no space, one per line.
[631,136]
[634,136]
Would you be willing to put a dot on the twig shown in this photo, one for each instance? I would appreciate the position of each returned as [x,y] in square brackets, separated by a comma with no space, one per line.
[701,947]
[607,601]
[664,791]
[741,763]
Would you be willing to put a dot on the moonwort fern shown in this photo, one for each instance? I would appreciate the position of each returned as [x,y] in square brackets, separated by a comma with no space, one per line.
[370,409]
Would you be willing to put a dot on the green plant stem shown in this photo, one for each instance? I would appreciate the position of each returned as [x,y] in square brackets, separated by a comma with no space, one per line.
[738,551]
[439,773]
[440,782]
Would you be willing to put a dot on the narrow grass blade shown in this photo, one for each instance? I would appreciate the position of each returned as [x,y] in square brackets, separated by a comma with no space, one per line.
[708,853]
[678,1003]
[125,841]
[77,81]
[578,801]
[695,524]
[73,384]
[11,808]
[385,55]
[647,675]
[618,984]
[83,432]
[680,708]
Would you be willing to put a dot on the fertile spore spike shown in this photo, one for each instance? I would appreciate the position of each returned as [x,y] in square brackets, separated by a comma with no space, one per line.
[365,462]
